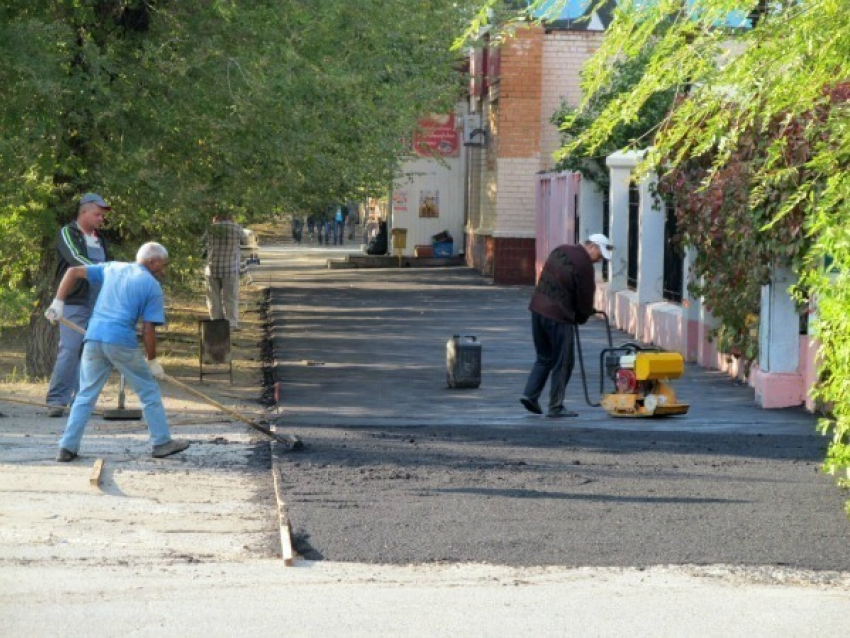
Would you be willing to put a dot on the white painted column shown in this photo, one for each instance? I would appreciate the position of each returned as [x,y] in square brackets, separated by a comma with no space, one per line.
[621,166]
[779,329]
[590,209]
[777,381]
[692,308]
[650,286]
[590,220]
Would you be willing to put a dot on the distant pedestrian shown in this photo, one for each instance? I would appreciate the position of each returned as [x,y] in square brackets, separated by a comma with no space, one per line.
[329,226]
[297,225]
[379,243]
[370,229]
[562,299]
[339,226]
[351,220]
[130,292]
[224,242]
[78,244]
[311,228]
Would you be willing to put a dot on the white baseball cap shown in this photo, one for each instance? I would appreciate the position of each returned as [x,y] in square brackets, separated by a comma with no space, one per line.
[604,244]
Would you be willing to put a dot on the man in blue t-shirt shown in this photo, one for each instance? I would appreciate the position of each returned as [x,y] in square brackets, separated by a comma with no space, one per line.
[129,292]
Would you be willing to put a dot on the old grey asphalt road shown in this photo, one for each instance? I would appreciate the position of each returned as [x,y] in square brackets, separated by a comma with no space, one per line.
[401,469]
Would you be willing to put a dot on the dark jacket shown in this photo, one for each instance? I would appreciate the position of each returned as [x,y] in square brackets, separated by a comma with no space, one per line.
[72,249]
[566,287]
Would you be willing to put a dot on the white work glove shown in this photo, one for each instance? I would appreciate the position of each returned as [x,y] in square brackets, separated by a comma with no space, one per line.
[55,312]
[156,369]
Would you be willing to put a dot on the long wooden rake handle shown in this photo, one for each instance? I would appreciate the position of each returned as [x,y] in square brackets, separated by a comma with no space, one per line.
[71,325]
[291,441]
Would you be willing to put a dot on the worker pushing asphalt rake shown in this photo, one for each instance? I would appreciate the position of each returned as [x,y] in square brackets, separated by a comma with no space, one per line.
[290,441]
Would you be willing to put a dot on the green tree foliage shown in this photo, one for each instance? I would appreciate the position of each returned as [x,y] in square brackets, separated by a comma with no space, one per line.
[742,238]
[572,122]
[173,109]
[762,144]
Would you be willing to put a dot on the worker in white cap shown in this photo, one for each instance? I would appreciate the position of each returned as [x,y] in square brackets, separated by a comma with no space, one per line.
[562,299]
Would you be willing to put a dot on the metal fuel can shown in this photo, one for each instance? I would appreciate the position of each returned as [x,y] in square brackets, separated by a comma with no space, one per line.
[463,362]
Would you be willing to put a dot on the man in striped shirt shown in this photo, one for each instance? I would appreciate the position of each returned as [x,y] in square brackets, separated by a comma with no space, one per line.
[78,244]
[224,258]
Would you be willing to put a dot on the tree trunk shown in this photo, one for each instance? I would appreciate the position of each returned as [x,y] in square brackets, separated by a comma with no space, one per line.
[71,157]
[42,338]
[42,343]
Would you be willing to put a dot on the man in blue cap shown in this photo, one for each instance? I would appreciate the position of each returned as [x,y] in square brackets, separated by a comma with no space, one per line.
[78,244]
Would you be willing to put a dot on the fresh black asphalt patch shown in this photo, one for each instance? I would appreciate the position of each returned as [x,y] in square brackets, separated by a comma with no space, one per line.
[546,495]
[401,469]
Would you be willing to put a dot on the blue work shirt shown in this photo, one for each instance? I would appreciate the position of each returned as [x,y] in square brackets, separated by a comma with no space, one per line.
[128,292]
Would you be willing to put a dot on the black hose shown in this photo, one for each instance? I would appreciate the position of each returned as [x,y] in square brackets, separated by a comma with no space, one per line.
[581,360]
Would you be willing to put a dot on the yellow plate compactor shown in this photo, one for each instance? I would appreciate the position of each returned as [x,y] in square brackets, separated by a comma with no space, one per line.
[641,378]
[642,382]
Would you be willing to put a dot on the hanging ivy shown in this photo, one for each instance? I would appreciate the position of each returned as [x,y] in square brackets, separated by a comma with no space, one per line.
[742,233]
[759,153]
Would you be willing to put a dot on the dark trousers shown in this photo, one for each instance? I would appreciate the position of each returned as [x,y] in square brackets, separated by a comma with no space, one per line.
[553,342]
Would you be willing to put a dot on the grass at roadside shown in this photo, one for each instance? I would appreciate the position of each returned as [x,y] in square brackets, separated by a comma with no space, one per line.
[178,344]
[178,349]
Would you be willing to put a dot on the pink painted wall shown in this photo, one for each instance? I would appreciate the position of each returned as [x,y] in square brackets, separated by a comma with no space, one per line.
[555,213]
[664,325]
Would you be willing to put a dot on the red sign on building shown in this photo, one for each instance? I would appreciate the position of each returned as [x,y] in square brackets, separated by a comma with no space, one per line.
[437,135]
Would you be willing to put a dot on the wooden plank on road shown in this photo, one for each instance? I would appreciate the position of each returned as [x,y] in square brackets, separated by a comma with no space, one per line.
[96,472]
[287,553]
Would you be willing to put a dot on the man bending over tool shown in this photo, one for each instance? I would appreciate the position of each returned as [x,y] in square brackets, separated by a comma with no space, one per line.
[563,298]
[129,292]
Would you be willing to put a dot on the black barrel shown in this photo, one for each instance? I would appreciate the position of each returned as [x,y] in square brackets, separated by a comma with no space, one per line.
[463,362]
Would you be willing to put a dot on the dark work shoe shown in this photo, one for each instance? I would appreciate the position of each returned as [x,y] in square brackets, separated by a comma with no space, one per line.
[172,447]
[560,413]
[55,411]
[531,405]
[65,456]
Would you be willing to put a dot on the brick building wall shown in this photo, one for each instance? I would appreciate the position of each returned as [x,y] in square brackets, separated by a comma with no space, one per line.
[564,55]
[515,263]
[520,92]
[518,156]
[515,203]
[538,70]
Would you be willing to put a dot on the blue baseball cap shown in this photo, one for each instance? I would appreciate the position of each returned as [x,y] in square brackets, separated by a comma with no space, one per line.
[94,198]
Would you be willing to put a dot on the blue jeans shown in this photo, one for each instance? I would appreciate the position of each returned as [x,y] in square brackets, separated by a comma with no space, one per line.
[65,380]
[553,342]
[98,360]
